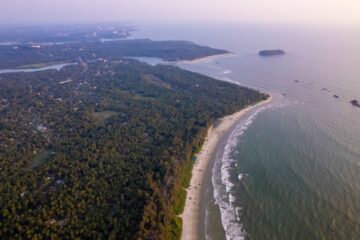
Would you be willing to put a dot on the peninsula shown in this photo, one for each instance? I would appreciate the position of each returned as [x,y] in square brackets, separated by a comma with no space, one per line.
[15,56]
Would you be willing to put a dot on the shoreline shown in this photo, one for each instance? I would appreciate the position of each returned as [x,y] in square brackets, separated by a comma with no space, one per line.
[205,59]
[192,214]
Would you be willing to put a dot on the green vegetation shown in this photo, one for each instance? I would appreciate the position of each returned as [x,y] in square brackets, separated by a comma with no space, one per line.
[176,228]
[92,51]
[120,178]
[180,201]
[101,117]
[40,159]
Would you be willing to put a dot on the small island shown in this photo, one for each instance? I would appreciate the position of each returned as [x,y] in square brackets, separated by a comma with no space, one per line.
[269,53]
[355,103]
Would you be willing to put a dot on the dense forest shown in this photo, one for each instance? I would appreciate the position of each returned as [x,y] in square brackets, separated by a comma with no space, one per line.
[25,55]
[102,149]
[98,152]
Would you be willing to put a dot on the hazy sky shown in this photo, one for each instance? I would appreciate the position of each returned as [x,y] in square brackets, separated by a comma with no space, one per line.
[288,11]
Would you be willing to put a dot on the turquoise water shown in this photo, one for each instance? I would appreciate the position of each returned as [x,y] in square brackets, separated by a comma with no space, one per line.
[295,166]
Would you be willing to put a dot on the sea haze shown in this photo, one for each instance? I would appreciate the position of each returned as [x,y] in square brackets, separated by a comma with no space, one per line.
[296,167]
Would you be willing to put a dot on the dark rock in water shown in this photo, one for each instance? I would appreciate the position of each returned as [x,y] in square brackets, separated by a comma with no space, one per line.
[267,53]
[297,81]
[324,89]
[284,94]
[336,96]
[355,103]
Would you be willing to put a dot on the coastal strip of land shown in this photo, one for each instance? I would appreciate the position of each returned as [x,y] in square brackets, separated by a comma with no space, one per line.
[206,59]
[191,215]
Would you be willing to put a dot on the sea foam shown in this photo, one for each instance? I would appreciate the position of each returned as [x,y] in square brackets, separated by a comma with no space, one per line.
[222,182]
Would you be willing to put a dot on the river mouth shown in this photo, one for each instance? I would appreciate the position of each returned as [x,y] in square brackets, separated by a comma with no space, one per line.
[57,67]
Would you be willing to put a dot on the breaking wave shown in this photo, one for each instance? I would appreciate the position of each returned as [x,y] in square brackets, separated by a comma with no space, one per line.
[223,182]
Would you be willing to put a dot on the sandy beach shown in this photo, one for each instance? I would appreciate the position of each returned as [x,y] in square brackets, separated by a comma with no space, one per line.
[206,59]
[191,215]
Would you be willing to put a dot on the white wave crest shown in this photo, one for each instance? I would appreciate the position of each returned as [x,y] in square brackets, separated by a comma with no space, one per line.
[221,179]
[230,80]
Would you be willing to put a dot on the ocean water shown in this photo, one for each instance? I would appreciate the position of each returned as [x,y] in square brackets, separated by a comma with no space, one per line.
[290,170]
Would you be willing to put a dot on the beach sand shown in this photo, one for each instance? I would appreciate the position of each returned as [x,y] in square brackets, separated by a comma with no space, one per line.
[192,217]
[206,59]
